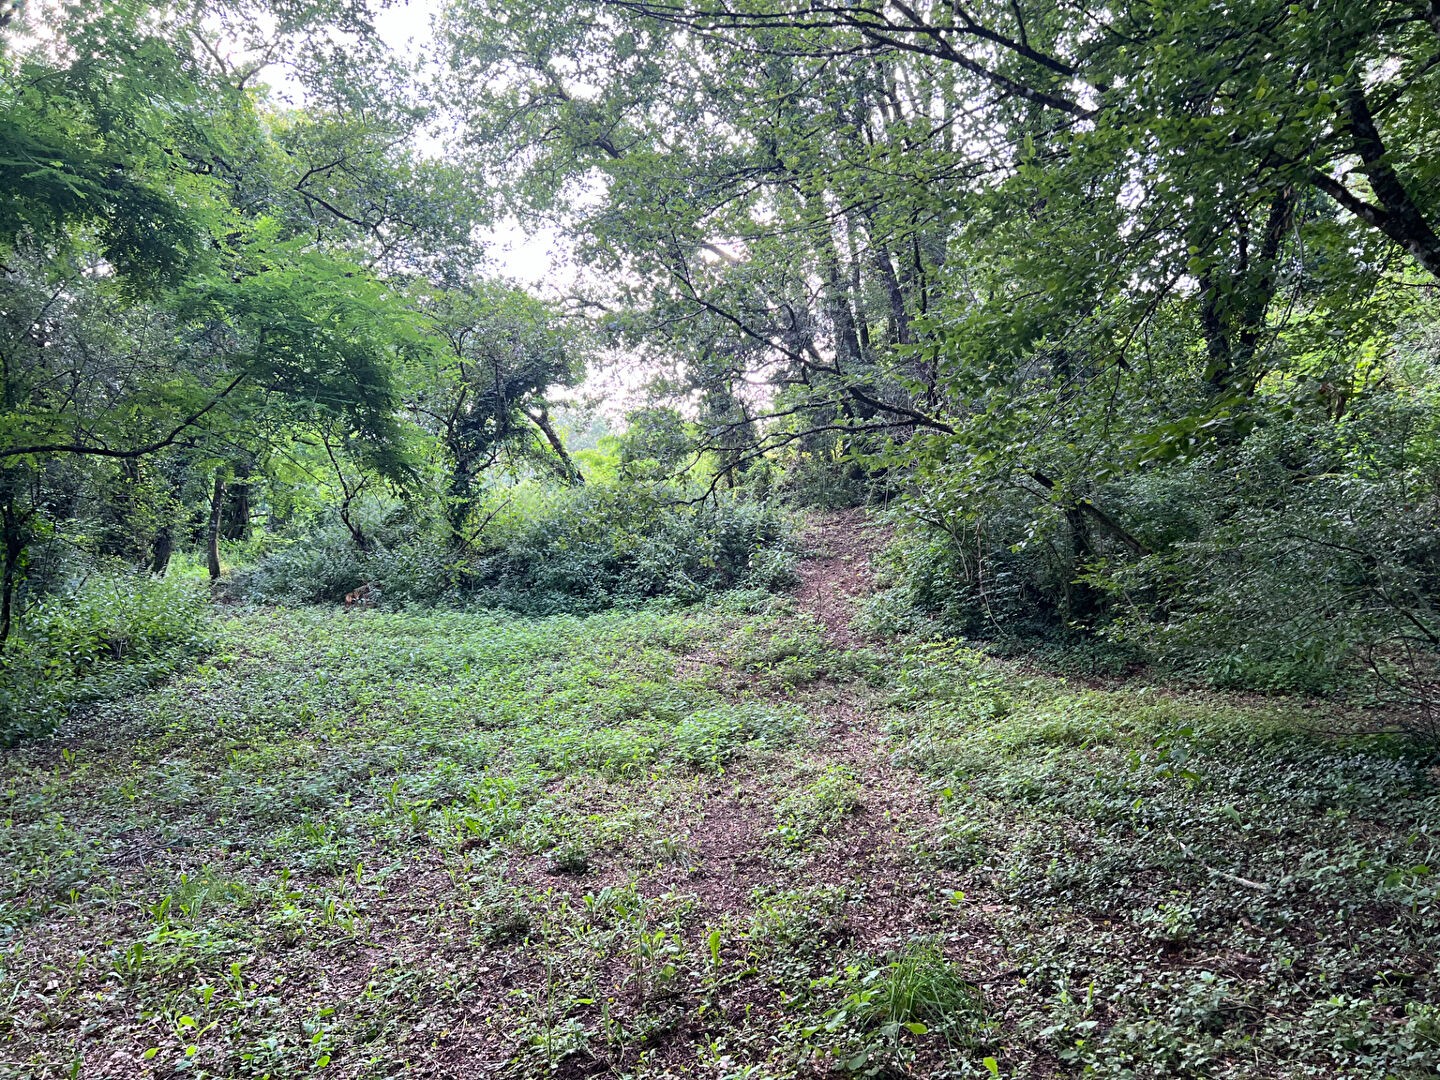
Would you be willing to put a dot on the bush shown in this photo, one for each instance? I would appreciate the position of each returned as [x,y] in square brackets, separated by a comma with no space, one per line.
[1316,547]
[324,565]
[546,551]
[995,574]
[405,567]
[1298,553]
[820,481]
[582,549]
[102,636]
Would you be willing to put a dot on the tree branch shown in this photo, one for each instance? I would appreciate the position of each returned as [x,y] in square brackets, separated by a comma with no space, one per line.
[133,452]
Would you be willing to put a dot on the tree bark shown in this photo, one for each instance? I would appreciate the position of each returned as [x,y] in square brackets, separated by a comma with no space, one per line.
[14,529]
[569,471]
[235,524]
[161,549]
[1099,516]
[357,534]
[212,534]
[1082,600]
[459,503]
[1233,328]
[899,321]
[1397,216]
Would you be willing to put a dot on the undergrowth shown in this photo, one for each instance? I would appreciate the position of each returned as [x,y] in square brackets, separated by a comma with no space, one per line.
[108,634]
[374,843]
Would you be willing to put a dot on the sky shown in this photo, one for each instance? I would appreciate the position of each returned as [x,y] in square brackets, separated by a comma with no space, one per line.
[538,260]
[407,28]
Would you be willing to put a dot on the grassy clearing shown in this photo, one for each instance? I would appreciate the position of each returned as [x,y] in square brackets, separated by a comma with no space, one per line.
[702,843]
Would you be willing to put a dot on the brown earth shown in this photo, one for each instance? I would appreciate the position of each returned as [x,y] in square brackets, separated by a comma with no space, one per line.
[836,575]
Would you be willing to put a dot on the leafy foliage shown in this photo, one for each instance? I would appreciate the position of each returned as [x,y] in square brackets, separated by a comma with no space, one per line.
[109,634]
[1056,293]
[593,546]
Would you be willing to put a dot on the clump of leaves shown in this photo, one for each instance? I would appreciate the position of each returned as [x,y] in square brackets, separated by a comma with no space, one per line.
[106,635]
[918,993]
[819,806]
[710,738]
[920,990]
[499,914]
[796,921]
[569,859]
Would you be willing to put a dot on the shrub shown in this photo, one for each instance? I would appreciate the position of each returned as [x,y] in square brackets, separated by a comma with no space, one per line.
[588,548]
[772,569]
[404,567]
[1287,555]
[1000,571]
[324,565]
[820,806]
[1317,545]
[561,550]
[95,639]
[821,481]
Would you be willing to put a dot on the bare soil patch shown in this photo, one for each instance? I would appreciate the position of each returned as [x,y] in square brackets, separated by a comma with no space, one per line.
[836,574]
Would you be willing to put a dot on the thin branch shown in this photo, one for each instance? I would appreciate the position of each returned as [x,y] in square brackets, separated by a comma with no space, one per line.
[133,452]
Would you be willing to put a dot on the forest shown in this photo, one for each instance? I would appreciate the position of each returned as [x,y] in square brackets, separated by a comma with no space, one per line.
[749,539]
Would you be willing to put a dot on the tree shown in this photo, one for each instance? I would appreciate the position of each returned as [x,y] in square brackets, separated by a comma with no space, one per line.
[176,278]
[1025,257]
[486,391]
[740,211]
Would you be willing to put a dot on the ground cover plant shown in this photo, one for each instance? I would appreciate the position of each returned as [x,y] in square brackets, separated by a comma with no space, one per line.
[705,842]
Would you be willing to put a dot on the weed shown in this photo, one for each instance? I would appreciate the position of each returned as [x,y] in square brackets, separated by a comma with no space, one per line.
[917,993]
[571,858]
[796,921]
[818,807]
[349,813]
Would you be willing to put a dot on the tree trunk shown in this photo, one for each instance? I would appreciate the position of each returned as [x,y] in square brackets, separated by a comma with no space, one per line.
[458,505]
[236,521]
[568,469]
[899,316]
[1399,217]
[119,537]
[14,549]
[1082,599]
[212,534]
[161,550]
[357,534]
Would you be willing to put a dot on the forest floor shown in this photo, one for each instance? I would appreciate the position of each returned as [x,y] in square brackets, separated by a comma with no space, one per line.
[737,840]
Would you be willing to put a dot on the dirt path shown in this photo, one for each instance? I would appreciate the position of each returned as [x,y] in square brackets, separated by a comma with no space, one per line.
[734,836]
[835,580]
[869,853]
[732,832]
[836,576]
[467,958]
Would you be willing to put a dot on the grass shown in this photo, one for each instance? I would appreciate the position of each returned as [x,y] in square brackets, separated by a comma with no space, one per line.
[657,843]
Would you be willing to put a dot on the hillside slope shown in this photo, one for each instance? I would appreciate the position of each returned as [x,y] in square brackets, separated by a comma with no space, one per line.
[726,841]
